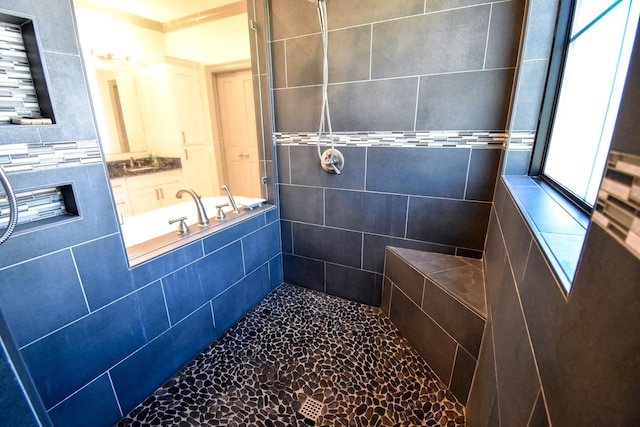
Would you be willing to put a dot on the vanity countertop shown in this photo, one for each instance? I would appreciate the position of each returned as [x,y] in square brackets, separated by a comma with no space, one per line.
[142,166]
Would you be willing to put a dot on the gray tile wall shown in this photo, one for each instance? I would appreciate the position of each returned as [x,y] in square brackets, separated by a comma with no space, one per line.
[532,73]
[61,283]
[552,359]
[434,199]
[412,66]
[415,66]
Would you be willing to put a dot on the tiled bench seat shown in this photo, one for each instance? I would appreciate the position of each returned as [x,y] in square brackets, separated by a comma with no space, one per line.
[437,301]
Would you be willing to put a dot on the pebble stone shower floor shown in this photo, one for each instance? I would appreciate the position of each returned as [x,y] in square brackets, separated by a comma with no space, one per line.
[298,344]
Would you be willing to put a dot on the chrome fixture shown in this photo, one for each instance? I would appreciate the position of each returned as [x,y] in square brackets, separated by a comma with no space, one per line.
[182,227]
[13,206]
[203,219]
[221,214]
[231,199]
[332,161]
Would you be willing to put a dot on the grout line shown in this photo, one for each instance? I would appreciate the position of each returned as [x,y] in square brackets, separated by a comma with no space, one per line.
[115,393]
[486,46]
[406,218]
[466,181]
[166,306]
[362,252]
[213,315]
[75,266]
[455,357]
[366,161]
[371,52]
[286,72]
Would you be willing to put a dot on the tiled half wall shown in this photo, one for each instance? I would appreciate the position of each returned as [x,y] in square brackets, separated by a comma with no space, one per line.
[335,227]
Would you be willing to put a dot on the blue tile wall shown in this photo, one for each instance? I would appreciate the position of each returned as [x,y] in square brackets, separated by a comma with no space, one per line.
[92,335]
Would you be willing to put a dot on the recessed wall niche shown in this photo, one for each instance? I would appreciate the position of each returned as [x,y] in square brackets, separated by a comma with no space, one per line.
[24,96]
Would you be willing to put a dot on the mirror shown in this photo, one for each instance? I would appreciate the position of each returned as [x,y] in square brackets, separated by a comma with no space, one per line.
[118,110]
[172,87]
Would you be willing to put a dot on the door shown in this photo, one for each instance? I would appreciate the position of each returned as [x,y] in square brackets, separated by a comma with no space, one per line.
[238,132]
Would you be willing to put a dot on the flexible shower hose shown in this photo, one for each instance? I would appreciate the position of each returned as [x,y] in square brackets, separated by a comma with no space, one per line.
[13,206]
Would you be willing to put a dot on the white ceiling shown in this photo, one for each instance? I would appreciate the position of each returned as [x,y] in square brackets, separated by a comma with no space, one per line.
[161,10]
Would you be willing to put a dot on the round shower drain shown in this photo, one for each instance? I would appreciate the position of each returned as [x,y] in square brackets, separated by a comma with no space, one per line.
[311,409]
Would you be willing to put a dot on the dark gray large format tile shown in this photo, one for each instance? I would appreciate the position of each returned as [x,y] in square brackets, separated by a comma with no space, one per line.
[450,222]
[297,109]
[353,284]
[303,204]
[483,391]
[517,237]
[438,172]
[306,169]
[475,100]
[438,5]
[357,12]
[547,214]
[305,272]
[55,296]
[73,356]
[370,212]
[539,414]
[458,320]
[404,276]
[415,45]
[541,21]
[284,170]
[328,244]
[466,284]
[513,354]
[462,376]
[529,93]
[504,34]
[385,302]
[279,64]
[517,162]
[349,53]
[422,333]
[594,332]
[376,105]
[427,262]
[566,249]
[483,171]
[304,60]
[292,18]
[374,249]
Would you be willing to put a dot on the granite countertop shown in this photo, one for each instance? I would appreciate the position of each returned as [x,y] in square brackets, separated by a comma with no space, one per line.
[142,166]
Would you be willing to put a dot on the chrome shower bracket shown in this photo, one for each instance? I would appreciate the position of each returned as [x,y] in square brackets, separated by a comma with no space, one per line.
[332,161]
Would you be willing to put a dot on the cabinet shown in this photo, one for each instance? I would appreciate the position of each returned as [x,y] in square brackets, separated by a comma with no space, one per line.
[174,109]
[121,197]
[137,194]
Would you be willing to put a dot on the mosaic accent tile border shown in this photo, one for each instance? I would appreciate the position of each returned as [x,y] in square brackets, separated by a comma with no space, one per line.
[521,140]
[17,92]
[46,155]
[618,205]
[33,205]
[492,139]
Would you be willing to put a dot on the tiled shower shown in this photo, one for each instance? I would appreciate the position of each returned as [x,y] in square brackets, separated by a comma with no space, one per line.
[97,337]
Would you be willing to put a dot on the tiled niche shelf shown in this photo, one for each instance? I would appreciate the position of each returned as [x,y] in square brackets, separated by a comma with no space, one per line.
[40,207]
[23,89]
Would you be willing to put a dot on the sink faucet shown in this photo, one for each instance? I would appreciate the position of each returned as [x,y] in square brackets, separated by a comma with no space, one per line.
[231,199]
[203,219]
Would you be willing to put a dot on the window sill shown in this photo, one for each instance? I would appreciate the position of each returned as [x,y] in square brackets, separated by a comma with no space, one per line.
[557,225]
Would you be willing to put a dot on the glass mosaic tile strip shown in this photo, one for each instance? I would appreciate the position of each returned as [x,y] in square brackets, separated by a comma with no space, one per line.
[399,139]
[38,156]
[34,205]
[618,206]
[17,91]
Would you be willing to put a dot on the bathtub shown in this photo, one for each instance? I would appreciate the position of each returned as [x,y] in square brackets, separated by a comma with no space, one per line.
[149,225]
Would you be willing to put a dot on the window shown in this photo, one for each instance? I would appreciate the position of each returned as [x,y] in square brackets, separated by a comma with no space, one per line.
[587,73]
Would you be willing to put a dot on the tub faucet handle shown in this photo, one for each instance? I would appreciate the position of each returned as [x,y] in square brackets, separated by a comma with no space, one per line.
[182,227]
[221,214]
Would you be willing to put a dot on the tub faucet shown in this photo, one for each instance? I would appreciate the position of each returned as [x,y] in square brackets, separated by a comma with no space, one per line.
[231,199]
[203,219]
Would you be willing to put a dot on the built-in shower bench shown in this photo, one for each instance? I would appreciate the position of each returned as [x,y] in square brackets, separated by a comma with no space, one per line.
[437,302]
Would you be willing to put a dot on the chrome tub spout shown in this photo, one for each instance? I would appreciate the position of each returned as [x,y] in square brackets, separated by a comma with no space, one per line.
[203,219]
